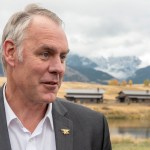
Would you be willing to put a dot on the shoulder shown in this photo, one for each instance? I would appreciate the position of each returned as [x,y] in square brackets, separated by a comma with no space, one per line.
[86,122]
[77,111]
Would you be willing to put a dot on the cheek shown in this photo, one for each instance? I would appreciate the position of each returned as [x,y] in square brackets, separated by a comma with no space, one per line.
[34,71]
[37,73]
[36,66]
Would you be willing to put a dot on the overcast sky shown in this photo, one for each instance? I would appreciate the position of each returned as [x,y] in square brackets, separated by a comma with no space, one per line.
[97,27]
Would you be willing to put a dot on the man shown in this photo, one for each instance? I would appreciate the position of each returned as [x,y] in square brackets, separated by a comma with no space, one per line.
[34,48]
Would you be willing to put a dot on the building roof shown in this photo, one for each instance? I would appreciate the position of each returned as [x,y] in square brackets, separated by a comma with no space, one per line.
[84,96]
[84,91]
[137,92]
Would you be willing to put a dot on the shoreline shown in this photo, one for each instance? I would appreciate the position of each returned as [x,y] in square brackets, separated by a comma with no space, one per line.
[119,111]
[128,143]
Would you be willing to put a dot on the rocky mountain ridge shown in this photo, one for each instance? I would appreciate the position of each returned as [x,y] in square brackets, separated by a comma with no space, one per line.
[102,69]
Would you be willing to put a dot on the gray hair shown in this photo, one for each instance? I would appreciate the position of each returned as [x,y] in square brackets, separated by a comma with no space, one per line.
[18,24]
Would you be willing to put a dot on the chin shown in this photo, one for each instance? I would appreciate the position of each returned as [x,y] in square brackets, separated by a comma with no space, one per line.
[50,98]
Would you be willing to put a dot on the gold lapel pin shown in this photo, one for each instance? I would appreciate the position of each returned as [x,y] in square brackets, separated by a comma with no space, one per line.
[65,131]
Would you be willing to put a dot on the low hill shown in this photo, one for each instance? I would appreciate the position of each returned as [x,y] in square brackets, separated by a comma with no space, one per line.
[85,74]
[82,69]
[141,75]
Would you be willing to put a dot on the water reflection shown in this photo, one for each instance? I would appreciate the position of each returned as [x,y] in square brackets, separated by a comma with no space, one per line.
[136,128]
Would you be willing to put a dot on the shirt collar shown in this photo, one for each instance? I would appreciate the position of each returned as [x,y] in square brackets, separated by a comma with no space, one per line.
[10,115]
[49,115]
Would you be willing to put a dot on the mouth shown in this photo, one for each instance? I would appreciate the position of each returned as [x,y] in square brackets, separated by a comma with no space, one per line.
[51,83]
[50,86]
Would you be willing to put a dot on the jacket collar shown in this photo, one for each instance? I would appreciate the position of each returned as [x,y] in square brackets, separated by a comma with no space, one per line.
[4,137]
[63,127]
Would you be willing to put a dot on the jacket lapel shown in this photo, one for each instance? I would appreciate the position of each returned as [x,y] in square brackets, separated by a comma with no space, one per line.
[63,127]
[4,137]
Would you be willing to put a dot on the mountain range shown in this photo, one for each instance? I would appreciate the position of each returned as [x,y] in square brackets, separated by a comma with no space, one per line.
[101,69]
[140,75]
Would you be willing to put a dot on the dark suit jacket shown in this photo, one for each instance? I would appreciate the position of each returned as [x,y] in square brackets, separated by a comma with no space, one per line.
[88,129]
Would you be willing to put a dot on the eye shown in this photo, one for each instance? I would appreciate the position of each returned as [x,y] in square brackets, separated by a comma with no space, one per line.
[45,55]
[63,58]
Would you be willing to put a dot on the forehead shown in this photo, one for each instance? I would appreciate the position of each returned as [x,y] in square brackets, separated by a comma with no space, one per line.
[43,28]
[42,21]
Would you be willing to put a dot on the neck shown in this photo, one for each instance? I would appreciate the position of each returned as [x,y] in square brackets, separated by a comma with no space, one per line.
[29,113]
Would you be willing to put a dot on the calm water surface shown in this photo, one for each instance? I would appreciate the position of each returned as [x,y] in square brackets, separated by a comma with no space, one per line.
[136,128]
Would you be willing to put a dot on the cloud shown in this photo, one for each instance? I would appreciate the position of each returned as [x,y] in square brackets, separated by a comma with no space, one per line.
[98,27]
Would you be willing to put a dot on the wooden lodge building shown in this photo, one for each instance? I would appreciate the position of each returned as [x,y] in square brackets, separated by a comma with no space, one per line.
[133,96]
[85,95]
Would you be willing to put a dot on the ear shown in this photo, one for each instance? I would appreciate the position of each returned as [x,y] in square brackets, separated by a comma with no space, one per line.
[9,52]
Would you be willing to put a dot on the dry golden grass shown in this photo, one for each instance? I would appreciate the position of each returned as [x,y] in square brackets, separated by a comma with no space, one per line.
[115,111]
[118,139]
[110,91]
[129,143]
[110,108]
[2,80]
[121,111]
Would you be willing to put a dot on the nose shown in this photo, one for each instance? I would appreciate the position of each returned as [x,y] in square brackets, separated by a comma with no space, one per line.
[56,66]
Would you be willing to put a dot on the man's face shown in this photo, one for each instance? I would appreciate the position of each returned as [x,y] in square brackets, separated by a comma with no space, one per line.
[39,76]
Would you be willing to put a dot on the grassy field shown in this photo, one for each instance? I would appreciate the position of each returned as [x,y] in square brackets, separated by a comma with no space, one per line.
[110,91]
[2,80]
[130,144]
[113,110]
[122,111]
[110,107]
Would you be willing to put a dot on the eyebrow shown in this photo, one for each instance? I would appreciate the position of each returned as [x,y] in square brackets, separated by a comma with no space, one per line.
[53,49]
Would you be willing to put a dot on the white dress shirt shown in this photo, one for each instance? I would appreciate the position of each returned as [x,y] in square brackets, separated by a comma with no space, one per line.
[43,137]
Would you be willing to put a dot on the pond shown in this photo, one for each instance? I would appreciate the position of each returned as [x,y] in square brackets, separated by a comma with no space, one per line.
[131,128]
